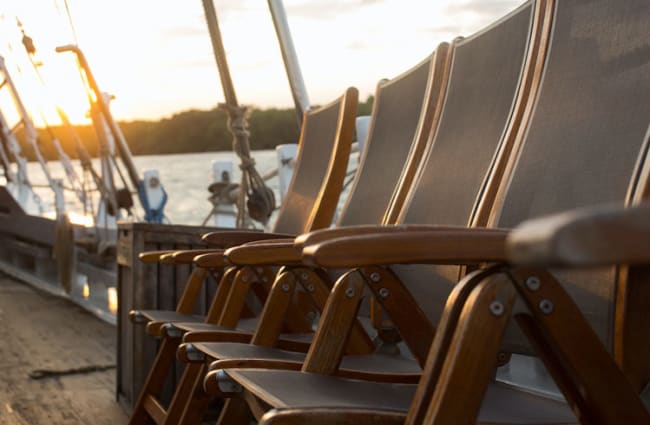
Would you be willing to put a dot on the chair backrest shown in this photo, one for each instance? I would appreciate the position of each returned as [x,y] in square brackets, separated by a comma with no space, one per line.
[321,164]
[587,131]
[401,119]
[483,85]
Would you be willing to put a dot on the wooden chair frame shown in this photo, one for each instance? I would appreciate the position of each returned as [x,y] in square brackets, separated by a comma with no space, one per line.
[321,215]
[283,252]
[550,309]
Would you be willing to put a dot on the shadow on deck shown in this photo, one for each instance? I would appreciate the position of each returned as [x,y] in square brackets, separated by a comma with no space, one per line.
[40,331]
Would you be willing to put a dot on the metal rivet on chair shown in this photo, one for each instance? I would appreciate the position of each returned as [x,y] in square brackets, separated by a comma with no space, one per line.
[349,292]
[384,292]
[172,331]
[375,277]
[502,357]
[285,287]
[546,306]
[533,283]
[304,276]
[193,354]
[138,317]
[227,384]
[310,287]
[496,308]
[244,278]
[260,270]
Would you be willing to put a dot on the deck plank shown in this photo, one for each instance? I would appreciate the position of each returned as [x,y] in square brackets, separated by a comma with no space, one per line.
[40,331]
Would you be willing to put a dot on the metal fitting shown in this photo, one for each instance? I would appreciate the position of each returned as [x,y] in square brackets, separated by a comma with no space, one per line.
[138,317]
[533,283]
[304,276]
[193,354]
[285,287]
[546,306]
[171,331]
[375,277]
[496,308]
[349,292]
[226,383]
[384,292]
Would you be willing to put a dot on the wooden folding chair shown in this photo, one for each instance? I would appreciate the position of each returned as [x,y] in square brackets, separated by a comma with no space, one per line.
[470,126]
[586,143]
[403,114]
[310,203]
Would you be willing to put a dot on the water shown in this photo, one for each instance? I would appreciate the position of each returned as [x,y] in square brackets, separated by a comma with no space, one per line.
[185,178]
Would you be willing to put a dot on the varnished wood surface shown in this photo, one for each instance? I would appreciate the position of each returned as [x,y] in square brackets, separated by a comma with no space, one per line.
[40,331]
[595,236]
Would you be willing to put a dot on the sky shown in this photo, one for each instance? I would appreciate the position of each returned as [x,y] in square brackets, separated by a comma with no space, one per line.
[155,56]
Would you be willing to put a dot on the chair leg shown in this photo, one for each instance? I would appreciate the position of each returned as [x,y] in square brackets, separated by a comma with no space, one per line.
[274,312]
[155,380]
[443,338]
[317,285]
[338,319]
[235,411]
[577,351]
[185,395]
[197,405]
[472,354]
[237,298]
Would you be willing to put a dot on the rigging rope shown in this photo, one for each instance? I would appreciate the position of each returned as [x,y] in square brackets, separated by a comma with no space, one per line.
[254,196]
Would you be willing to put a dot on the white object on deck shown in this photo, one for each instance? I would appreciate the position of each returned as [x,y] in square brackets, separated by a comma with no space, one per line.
[362,125]
[153,189]
[59,197]
[286,160]
[224,214]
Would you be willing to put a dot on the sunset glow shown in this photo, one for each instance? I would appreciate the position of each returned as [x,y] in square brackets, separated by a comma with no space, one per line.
[156,58]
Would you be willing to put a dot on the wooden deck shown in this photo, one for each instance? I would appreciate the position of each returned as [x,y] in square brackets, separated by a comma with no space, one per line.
[39,331]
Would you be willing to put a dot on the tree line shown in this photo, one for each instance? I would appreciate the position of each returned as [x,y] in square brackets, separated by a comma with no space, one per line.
[184,132]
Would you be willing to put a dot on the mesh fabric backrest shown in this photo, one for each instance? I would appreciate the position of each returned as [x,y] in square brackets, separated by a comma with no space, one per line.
[316,144]
[396,114]
[483,83]
[587,129]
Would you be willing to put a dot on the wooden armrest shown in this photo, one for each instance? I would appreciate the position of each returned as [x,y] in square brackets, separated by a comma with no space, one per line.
[271,241]
[152,256]
[322,235]
[212,260]
[227,239]
[185,256]
[269,253]
[588,237]
[411,245]
[326,415]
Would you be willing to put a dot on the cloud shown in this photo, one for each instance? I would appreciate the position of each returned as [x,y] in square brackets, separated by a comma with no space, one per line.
[481,7]
[185,31]
[327,9]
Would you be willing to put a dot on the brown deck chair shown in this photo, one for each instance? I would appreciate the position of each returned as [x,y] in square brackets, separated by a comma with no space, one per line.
[403,114]
[310,203]
[402,118]
[585,144]
[480,100]
[404,111]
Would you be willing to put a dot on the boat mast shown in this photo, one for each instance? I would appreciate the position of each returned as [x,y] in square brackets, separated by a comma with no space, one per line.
[290,58]
[255,199]
[150,191]
[31,135]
